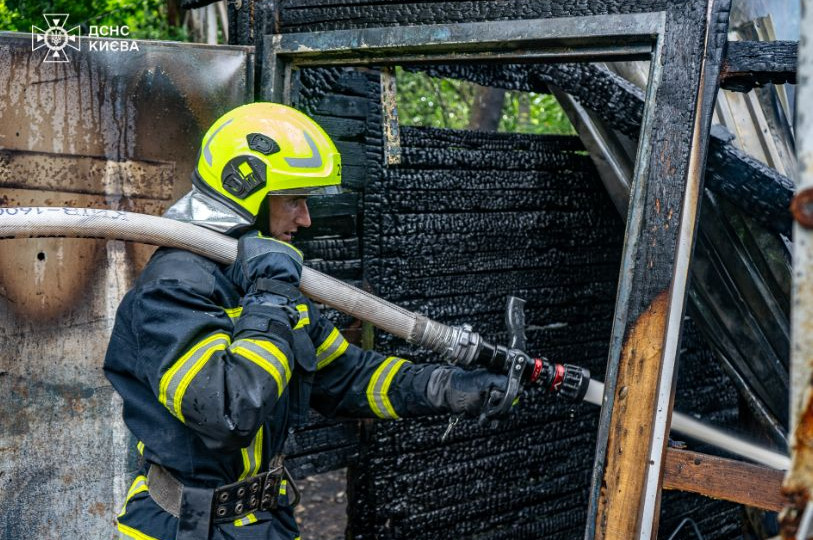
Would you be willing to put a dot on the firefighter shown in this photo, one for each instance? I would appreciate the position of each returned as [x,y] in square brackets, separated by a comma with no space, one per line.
[216,364]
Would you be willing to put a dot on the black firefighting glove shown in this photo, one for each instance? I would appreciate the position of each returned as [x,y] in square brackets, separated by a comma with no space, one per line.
[467,392]
[268,270]
[259,256]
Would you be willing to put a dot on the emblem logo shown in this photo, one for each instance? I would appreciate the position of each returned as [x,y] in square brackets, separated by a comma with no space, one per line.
[55,38]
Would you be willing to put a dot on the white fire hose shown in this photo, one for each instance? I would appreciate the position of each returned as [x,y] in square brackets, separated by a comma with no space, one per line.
[458,344]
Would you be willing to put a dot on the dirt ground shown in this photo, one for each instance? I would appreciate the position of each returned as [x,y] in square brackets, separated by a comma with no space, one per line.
[322,512]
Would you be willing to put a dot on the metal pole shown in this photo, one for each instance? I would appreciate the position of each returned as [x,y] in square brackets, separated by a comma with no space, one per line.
[799,481]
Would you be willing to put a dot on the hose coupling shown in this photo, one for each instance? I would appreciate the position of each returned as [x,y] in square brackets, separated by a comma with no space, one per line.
[575,381]
[464,345]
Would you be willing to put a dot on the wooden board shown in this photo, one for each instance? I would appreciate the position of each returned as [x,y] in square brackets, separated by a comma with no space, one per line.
[719,478]
[755,63]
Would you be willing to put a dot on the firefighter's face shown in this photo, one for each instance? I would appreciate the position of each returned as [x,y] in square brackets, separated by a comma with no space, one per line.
[287,215]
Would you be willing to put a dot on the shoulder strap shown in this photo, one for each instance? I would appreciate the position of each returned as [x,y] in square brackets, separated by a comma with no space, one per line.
[277,287]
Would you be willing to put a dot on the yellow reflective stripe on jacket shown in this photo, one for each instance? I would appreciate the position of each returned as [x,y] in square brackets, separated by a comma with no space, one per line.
[252,455]
[304,318]
[245,520]
[331,348]
[128,532]
[379,385]
[139,485]
[266,355]
[177,378]
[140,448]
[233,312]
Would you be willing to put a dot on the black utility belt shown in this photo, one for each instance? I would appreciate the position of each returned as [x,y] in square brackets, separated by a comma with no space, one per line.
[230,502]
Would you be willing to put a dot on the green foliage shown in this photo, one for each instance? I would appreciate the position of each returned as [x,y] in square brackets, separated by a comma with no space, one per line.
[20,15]
[528,112]
[446,103]
[432,102]
[146,19]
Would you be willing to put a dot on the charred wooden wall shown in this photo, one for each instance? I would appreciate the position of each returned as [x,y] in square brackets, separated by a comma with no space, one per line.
[466,219]
[345,103]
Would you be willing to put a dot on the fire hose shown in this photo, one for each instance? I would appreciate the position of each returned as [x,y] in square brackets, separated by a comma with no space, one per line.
[458,344]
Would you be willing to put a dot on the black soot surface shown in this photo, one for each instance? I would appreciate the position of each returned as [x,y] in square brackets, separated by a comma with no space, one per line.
[467,219]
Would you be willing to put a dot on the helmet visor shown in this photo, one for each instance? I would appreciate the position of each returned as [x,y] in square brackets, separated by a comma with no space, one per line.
[308,191]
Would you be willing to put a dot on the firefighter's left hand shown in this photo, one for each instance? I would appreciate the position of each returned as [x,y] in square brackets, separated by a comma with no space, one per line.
[262,257]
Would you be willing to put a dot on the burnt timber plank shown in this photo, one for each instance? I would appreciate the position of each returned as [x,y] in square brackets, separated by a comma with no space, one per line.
[727,479]
[639,391]
[313,15]
[749,64]
[757,189]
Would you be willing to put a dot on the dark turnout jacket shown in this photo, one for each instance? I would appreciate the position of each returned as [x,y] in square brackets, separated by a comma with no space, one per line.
[210,389]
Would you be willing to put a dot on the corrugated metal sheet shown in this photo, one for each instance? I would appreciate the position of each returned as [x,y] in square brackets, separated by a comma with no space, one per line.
[113,129]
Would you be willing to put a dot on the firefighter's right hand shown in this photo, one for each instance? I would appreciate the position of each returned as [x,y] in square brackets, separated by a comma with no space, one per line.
[259,257]
[461,391]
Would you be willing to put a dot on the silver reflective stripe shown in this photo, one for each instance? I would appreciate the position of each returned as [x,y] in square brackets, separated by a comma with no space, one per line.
[379,386]
[267,356]
[283,247]
[281,367]
[333,350]
[311,162]
[247,520]
[139,486]
[129,533]
[176,380]
[252,455]
[208,153]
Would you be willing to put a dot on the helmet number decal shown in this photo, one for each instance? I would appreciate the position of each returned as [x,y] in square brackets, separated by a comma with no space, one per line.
[243,176]
[311,162]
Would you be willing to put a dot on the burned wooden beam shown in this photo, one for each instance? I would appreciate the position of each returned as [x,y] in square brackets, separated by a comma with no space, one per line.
[310,16]
[736,297]
[750,64]
[757,189]
[664,201]
[727,479]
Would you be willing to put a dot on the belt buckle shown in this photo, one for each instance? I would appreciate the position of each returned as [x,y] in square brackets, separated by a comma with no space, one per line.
[271,486]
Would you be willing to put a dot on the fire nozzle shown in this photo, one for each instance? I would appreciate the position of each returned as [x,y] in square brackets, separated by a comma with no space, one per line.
[566,380]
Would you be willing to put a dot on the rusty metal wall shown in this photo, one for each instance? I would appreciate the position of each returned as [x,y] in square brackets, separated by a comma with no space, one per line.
[112,129]
[798,483]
